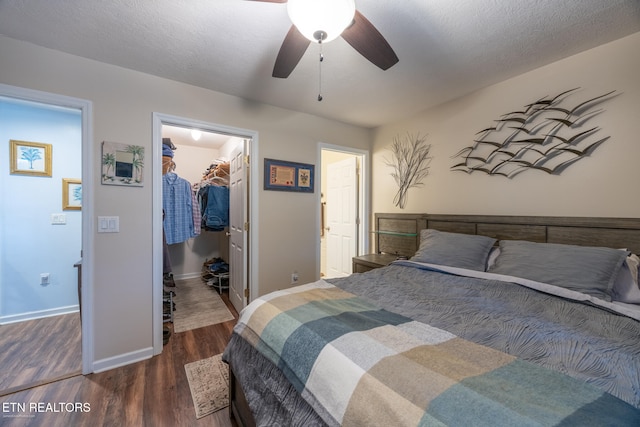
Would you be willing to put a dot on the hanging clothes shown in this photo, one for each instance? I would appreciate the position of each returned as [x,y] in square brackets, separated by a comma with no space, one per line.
[177,203]
[214,204]
[167,166]
[197,214]
[213,197]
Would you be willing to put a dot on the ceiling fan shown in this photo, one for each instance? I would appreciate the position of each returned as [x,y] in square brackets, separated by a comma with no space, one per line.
[357,31]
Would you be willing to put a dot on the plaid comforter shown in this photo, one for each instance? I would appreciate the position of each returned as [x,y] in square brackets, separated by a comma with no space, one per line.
[357,364]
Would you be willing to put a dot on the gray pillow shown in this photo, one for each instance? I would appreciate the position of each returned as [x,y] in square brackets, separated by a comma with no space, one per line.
[454,249]
[585,269]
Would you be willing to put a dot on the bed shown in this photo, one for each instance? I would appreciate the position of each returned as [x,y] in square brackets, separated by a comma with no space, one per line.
[482,320]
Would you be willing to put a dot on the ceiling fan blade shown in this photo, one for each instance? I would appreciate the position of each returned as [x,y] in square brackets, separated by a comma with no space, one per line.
[367,40]
[292,49]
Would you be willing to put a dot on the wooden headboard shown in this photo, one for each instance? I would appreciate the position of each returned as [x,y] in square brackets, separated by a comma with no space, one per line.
[399,234]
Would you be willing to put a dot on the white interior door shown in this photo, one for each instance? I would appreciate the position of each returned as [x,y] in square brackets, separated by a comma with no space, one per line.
[238,234]
[342,216]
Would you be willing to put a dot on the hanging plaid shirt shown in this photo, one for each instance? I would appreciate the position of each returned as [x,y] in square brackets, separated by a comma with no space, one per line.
[197,215]
[177,203]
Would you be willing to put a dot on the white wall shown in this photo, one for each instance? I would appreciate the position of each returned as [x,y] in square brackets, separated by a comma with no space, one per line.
[123,103]
[599,185]
[191,162]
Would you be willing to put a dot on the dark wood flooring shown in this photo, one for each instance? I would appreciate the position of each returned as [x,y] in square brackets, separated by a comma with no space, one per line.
[154,392]
[39,351]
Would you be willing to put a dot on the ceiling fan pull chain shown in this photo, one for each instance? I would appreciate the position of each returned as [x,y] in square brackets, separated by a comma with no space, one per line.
[320,72]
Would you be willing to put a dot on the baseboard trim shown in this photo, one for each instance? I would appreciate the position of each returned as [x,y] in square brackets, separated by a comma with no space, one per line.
[34,384]
[122,360]
[32,315]
[186,276]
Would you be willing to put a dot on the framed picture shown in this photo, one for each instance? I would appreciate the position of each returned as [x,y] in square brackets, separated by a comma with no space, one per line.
[71,194]
[122,164]
[30,158]
[281,175]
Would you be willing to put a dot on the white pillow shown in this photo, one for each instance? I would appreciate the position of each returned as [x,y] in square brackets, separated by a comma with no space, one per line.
[625,288]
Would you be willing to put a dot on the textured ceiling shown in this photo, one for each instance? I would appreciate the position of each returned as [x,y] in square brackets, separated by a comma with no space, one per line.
[447,48]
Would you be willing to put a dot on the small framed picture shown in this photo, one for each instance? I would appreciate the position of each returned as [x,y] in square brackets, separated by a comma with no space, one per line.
[281,175]
[30,158]
[71,194]
[122,164]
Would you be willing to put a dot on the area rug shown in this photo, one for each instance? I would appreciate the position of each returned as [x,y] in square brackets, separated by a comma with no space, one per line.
[197,305]
[209,384]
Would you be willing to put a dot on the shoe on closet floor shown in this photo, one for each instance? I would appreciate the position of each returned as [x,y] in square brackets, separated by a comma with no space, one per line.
[168,281]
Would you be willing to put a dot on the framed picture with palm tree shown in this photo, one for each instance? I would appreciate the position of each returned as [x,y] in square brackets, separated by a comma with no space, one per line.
[30,158]
[122,164]
[71,194]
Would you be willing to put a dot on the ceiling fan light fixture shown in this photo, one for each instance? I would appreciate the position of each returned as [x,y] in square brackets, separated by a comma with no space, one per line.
[321,20]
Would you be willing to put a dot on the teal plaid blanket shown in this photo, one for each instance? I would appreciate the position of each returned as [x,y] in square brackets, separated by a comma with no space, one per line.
[359,365]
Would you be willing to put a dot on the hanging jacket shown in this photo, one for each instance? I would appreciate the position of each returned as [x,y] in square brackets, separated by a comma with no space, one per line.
[214,204]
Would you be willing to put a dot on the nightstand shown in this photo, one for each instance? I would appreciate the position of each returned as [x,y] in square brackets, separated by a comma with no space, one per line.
[368,262]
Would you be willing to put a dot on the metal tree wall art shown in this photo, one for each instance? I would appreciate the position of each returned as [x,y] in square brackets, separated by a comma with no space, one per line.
[410,163]
[548,135]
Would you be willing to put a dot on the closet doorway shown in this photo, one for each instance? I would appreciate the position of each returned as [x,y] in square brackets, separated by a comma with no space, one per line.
[200,158]
[204,152]
[343,208]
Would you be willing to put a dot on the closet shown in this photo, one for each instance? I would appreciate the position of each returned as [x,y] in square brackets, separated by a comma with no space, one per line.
[195,200]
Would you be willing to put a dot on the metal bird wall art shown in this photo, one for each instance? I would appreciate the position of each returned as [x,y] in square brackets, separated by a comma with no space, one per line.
[545,135]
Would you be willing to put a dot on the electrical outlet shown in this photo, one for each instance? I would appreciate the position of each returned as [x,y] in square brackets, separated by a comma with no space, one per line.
[44,278]
[294,277]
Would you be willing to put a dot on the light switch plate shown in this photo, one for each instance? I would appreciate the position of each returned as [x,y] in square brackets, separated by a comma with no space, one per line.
[58,219]
[108,224]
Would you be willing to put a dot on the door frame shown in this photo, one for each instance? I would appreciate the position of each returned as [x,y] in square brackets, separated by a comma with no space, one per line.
[86,113]
[364,199]
[160,119]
